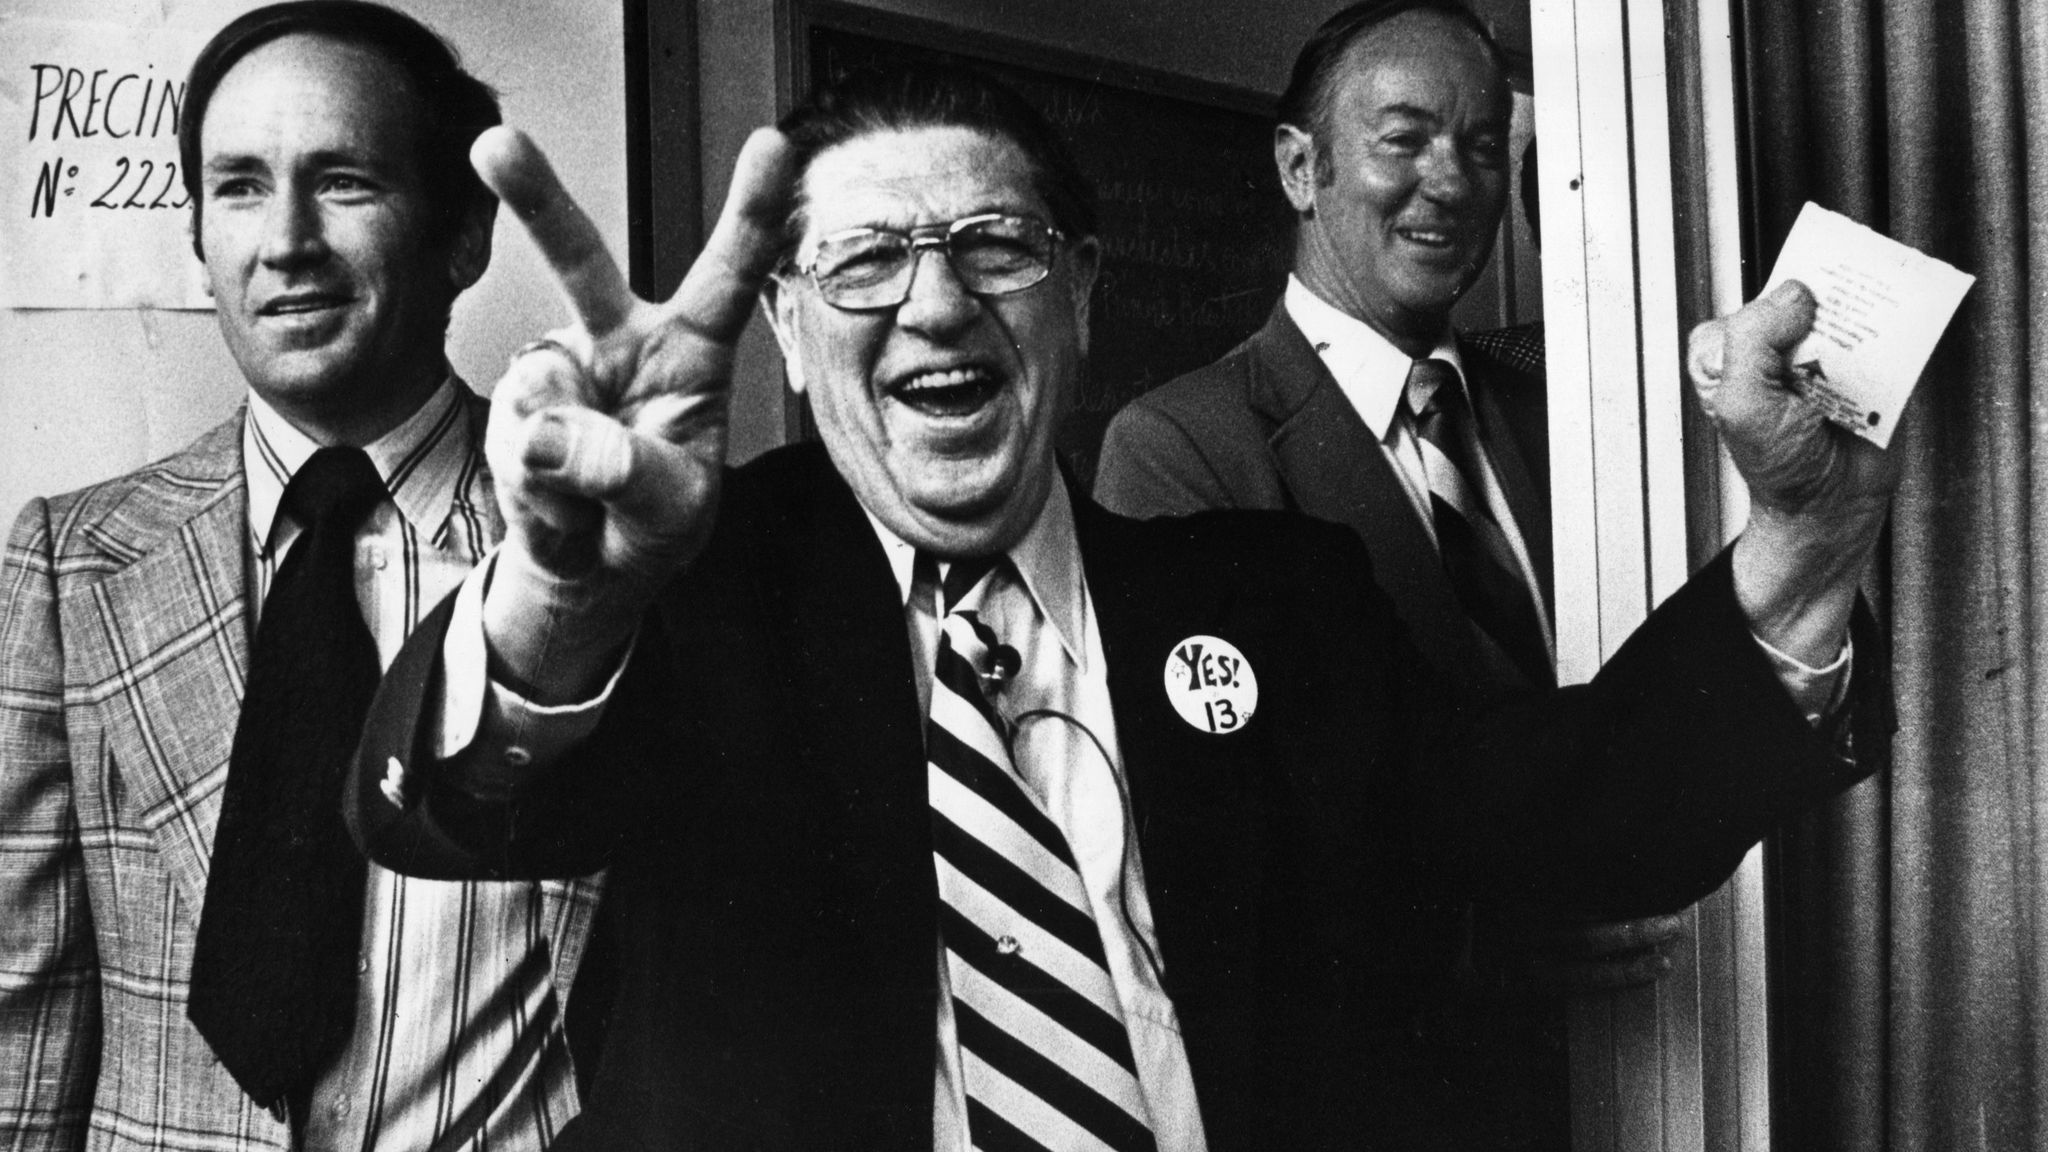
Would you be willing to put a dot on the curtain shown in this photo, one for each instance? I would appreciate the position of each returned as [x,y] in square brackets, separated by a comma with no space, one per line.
[1907,927]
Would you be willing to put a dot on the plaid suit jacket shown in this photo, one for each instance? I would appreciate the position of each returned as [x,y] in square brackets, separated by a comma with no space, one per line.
[124,646]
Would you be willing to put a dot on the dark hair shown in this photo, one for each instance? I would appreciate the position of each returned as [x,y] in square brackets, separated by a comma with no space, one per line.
[457,106]
[938,95]
[1306,103]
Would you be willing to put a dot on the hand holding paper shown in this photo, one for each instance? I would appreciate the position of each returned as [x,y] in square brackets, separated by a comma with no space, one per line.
[1881,307]
[1818,494]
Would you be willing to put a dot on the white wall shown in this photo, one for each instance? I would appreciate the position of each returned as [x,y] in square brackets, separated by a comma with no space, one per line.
[89,394]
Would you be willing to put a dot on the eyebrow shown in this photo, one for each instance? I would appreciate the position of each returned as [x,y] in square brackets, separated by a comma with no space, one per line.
[1412,111]
[246,162]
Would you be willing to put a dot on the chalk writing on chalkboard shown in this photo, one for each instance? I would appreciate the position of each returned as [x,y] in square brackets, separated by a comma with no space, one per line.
[1195,234]
[93,207]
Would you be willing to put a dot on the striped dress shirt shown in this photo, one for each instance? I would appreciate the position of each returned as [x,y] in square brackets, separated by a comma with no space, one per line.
[458,1020]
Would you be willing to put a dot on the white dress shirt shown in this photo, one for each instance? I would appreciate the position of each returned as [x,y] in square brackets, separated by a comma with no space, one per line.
[451,974]
[1373,375]
[1066,751]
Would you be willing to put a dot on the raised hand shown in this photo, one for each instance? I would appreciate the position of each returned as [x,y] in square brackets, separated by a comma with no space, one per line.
[1794,460]
[1819,495]
[607,437]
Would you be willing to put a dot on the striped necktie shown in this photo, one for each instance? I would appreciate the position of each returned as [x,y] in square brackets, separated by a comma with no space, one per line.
[1044,1053]
[1476,554]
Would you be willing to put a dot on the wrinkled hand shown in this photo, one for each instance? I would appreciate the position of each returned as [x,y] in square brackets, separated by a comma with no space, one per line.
[1795,461]
[607,438]
[1818,494]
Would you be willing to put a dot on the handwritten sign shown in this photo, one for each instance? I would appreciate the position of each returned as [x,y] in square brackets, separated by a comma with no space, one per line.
[93,207]
[1880,307]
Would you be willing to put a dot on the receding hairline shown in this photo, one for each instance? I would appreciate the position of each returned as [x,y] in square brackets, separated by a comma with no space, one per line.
[386,62]
[1407,24]
[1032,172]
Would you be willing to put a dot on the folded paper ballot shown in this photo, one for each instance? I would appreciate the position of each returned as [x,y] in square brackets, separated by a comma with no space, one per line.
[1882,307]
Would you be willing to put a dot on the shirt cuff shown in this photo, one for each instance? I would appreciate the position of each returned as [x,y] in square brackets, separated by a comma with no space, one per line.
[1817,692]
[505,738]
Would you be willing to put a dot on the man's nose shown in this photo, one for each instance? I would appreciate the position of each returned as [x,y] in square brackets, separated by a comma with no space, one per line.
[1446,173]
[292,229]
[938,301]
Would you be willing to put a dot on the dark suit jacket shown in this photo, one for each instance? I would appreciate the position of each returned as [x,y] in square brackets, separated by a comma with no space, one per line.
[758,787]
[1268,427]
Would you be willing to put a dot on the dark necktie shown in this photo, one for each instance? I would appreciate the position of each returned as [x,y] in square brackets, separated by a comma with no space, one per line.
[274,969]
[1044,1053]
[1476,554]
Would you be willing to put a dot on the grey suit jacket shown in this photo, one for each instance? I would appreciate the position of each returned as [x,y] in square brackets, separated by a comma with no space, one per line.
[124,648]
[1268,427]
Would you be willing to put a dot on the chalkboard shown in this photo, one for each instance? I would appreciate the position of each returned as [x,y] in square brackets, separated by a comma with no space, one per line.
[1195,233]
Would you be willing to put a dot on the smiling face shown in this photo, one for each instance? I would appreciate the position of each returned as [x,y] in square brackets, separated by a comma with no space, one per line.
[1401,189]
[331,286]
[940,411]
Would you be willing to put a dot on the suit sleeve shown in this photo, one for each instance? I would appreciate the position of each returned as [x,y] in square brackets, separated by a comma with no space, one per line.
[49,966]
[458,817]
[1635,794]
[1641,791]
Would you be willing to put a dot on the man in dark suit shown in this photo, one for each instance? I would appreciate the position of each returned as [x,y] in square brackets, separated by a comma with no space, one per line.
[944,806]
[1392,148]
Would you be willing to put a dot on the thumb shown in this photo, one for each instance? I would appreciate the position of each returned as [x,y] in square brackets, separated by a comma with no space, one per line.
[1759,336]
[578,451]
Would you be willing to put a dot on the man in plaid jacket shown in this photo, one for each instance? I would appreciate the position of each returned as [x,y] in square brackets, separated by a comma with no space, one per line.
[324,145]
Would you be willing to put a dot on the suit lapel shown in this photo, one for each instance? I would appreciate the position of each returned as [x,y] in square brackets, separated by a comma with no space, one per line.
[1335,469]
[1516,422]
[847,648]
[163,645]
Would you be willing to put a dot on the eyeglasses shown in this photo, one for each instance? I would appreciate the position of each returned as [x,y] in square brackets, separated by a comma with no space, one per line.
[992,254]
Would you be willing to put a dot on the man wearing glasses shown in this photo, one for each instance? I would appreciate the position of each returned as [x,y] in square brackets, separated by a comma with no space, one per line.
[943,806]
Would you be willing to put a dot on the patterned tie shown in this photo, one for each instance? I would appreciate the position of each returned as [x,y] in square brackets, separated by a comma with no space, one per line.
[1043,1049]
[274,969]
[1476,553]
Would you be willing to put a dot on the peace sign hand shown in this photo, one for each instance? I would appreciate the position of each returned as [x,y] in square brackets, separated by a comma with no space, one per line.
[607,437]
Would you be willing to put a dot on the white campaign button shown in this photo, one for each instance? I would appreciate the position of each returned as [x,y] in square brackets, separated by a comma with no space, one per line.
[1211,684]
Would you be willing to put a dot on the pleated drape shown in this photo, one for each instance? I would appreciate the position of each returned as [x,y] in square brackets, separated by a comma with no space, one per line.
[1907,937]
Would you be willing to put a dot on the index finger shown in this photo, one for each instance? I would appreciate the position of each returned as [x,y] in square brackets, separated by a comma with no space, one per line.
[717,296]
[513,166]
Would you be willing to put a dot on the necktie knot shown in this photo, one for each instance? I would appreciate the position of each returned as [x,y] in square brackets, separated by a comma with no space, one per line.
[1432,384]
[993,661]
[335,487]
[962,576]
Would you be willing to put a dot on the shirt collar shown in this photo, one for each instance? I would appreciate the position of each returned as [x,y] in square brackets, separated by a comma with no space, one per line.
[1371,371]
[1047,559]
[421,461]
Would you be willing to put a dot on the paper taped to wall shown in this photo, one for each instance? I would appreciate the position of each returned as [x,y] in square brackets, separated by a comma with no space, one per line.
[1882,307]
[93,211]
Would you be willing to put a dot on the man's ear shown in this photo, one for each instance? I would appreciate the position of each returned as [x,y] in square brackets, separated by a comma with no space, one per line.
[1294,154]
[469,253]
[1086,258]
[778,304]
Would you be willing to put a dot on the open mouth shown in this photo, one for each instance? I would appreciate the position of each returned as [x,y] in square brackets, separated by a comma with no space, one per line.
[954,392]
